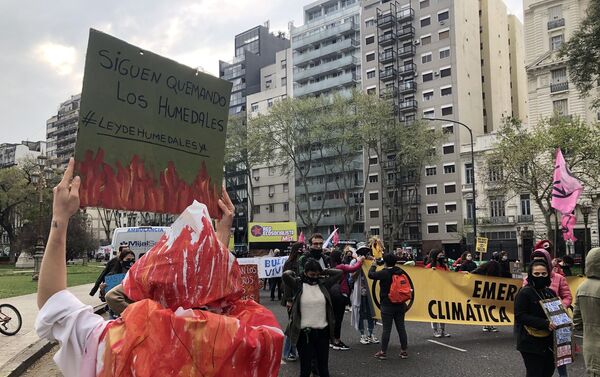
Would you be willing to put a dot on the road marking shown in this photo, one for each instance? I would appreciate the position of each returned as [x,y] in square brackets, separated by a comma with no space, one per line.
[579,336]
[446,345]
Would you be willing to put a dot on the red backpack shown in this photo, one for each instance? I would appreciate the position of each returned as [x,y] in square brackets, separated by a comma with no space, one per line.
[400,290]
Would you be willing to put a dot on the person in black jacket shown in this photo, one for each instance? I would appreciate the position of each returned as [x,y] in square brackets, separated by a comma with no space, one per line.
[467,264]
[110,266]
[534,330]
[390,312]
[290,353]
[489,268]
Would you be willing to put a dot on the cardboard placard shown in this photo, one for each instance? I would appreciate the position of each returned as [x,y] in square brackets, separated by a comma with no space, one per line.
[564,350]
[151,133]
[112,281]
[250,282]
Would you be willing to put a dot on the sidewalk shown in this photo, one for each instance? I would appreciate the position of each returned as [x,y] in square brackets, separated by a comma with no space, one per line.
[26,337]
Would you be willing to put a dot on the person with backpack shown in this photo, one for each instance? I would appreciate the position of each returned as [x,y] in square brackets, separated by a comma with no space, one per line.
[394,292]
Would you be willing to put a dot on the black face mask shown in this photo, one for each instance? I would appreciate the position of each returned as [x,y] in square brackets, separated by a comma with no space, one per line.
[126,264]
[539,282]
[316,253]
[308,280]
[441,259]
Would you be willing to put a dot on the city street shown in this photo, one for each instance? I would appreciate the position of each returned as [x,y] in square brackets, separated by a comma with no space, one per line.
[468,352]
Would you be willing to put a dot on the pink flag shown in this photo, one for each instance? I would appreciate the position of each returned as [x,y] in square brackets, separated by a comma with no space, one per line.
[568,223]
[336,237]
[301,237]
[566,188]
[329,241]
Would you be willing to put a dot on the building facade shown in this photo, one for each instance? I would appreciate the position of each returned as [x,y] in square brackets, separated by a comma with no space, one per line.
[254,49]
[326,60]
[13,154]
[61,132]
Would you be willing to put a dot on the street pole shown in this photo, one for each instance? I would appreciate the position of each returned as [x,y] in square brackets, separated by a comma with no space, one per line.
[473,174]
[39,247]
[585,211]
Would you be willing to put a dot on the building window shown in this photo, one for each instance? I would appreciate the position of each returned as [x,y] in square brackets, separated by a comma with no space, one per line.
[423,4]
[450,207]
[271,190]
[446,91]
[370,22]
[469,174]
[495,173]
[373,160]
[432,209]
[555,13]
[371,74]
[371,57]
[286,187]
[284,64]
[284,81]
[445,72]
[444,34]
[425,21]
[432,229]
[374,196]
[427,76]
[556,41]
[255,173]
[451,228]
[256,210]
[443,16]
[470,209]
[286,207]
[430,171]
[374,230]
[447,110]
[428,113]
[271,170]
[369,40]
[497,206]
[426,58]
[449,188]
[445,53]
[449,169]
[270,102]
[426,40]
[561,107]
[525,204]
[268,84]
[448,130]
[271,208]
[254,107]
[448,149]
[427,95]
[373,213]
[559,75]
[371,91]
[432,190]
[373,178]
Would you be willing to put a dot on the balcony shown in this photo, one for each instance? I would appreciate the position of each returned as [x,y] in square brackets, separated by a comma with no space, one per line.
[468,221]
[406,51]
[556,23]
[387,56]
[408,69]
[345,79]
[406,32]
[233,74]
[323,35]
[386,39]
[322,69]
[385,21]
[405,15]
[559,87]
[323,52]
[388,92]
[412,236]
[467,187]
[496,220]
[388,74]
[525,219]
[408,87]
[413,218]
[407,106]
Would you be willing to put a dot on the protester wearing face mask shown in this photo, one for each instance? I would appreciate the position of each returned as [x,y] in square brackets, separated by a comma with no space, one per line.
[533,329]
[504,265]
[437,261]
[315,251]
[312,319]
[467,265]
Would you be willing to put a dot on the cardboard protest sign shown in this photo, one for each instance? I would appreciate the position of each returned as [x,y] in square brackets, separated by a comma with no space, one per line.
[151,131]
[466,299]
[481,245]
[250,282]
[563,335]
[271,267]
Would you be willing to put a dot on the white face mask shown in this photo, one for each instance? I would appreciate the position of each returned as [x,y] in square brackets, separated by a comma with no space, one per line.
[469,257]
[505,258]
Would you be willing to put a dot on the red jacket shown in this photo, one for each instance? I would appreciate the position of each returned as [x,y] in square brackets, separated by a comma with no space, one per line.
[558,283]
[346,269]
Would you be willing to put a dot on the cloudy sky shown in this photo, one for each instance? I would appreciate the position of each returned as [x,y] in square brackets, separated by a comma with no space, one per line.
[43,44]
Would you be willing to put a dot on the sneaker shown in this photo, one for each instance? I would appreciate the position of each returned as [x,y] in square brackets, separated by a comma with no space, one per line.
[340,346]
[330,345]
[364,339]
[486,329]
[404,355]
[437,334]
[372,339]
[291,357]
[380,355]
[445,334]
[493,328]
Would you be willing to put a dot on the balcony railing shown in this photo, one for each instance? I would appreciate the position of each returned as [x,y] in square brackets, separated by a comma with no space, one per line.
[406,51]
[322,69]
[408,69]
[406,32]
[405,15]
[323,52]
[559,87]
[327,84]
[468,221]
[332,32]
[556,23]
[387,39]
[387,56]
[497,220]
[412,236]
[525,218]
[388,92]
[387,74]
[385,20]
[408,87]
[410,105]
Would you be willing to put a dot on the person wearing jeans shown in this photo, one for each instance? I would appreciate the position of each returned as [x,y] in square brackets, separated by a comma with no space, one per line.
[361,306]
[391,313]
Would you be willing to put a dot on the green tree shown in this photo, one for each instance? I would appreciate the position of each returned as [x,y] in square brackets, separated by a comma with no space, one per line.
[582,53]
[526,156]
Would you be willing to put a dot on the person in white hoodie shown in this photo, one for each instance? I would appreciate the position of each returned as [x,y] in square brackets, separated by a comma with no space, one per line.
[362,309]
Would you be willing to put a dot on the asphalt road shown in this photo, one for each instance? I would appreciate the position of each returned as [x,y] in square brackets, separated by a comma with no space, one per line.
[468,352]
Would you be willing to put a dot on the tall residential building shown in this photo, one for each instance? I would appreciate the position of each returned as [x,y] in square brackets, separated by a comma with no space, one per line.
[326,59]
[518,75]
[271,190]
[254,49]
[13,154]
[434,59]
[61,132]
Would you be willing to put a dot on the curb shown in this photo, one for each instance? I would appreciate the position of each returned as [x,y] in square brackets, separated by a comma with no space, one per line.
[26,358]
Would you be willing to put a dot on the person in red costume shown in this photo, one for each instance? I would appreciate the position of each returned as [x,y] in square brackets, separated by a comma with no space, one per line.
[187,318]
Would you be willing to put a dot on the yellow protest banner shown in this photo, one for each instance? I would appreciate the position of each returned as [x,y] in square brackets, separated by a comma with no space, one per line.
[458,298]
[272,232]
[481,245]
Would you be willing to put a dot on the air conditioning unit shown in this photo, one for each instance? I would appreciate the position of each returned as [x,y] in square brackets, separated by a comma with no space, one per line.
[271,194]
[436,74]
[442,22]
[257,178]
[417,42]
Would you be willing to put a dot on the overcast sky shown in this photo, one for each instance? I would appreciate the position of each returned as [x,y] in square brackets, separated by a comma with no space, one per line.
[43,44]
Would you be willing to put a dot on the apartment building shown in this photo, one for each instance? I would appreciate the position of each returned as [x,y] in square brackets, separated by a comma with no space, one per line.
[272,191]
[61,132]
[326,59]
[434,59]
[254,49]
[12,154]
[518,75]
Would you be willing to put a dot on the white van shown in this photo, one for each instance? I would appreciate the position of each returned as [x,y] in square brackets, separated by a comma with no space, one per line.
[140,239]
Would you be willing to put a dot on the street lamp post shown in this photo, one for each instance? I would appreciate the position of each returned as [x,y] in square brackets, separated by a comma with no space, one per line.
[586,209]
[40,181]
[472,170]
